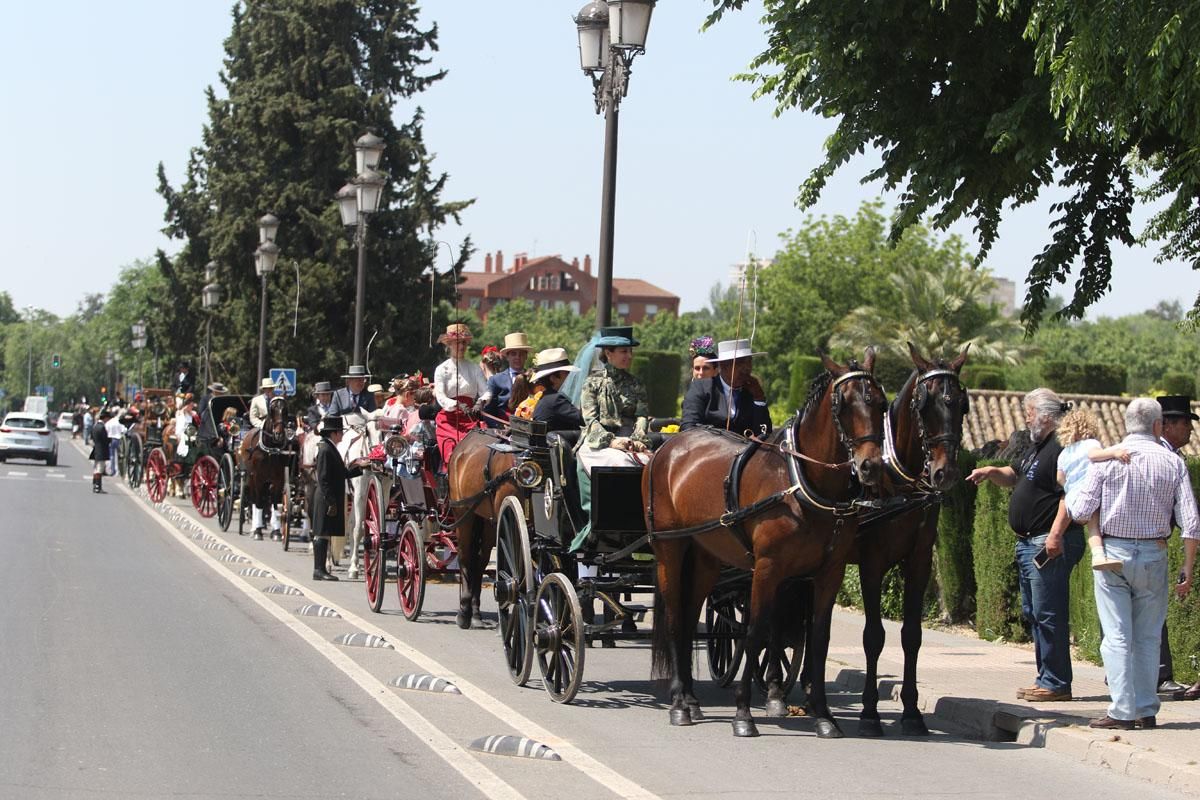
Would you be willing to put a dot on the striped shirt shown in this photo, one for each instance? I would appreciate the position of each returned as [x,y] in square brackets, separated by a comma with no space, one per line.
[1136,500]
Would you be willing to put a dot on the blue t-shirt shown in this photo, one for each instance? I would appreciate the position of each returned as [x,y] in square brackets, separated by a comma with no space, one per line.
[1073,462]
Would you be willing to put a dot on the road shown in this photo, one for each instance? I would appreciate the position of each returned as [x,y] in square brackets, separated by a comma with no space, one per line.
[140,665]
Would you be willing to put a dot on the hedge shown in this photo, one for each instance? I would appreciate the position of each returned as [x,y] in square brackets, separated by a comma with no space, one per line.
[997,593]
[1069,377]
[953,554]
[659,373]
[804,369]
[1179,383]
[983,376]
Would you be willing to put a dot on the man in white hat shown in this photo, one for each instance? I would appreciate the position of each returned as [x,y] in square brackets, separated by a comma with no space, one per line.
[259,406]
[733,399]
[516,349]
[354,395]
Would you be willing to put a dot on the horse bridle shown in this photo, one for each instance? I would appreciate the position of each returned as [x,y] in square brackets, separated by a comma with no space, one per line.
[835,402]
[920,397]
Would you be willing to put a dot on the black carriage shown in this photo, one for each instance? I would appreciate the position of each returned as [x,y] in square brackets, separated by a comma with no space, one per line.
[219,441]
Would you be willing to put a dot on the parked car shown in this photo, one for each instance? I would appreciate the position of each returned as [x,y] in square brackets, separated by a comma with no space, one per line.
[66,421]
[26,435]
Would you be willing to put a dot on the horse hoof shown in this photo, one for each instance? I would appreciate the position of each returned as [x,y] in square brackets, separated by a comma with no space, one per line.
[744,728]
[870,727]
[828,729]
[776,708]
[913,726]
[464,620]
[681,716]
[694,710]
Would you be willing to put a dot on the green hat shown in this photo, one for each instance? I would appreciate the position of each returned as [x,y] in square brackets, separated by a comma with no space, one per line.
[618,336]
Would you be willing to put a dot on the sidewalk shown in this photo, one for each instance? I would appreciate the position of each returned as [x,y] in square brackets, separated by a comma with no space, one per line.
[971,684]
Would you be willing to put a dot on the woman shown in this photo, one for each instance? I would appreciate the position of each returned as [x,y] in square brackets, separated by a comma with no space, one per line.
[702,349]
[329,496]
[491,362]
[460,389]
[546,403]
[99,454]
[616,417]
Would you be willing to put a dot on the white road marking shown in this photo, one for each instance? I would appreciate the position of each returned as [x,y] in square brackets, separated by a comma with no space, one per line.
[16,475]
[55,475]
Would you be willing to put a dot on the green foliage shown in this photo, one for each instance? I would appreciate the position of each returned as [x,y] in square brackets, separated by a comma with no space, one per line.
[997,596]
[1178,383]
[657,371]
[982,376]
[804,370]
[1183,617]
[977,107]
[1068,377]
[545,327]
[954,560]
[1085,620]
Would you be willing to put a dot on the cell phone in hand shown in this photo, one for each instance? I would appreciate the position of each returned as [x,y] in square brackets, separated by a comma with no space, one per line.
[1041,557]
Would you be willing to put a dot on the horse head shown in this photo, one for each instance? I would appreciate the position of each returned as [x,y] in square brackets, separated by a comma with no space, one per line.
[857,405]
[278,427]
[938,402]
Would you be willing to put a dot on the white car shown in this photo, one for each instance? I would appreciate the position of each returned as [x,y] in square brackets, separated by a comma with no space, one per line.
[26,435]
[66,421]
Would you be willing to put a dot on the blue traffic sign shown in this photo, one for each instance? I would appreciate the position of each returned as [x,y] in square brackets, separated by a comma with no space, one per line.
[285,380]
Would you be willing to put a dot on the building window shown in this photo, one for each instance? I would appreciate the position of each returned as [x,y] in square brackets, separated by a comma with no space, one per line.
[574,306]
[544,304]
[623,309]
[474,303]
[558,304]
[651,309]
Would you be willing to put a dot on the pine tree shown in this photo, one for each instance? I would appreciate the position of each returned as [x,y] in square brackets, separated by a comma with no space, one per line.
[302,80]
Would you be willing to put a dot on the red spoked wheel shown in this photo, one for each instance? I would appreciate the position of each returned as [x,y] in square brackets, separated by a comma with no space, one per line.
[205,480]
[156,475]
[410,570]
[374,559]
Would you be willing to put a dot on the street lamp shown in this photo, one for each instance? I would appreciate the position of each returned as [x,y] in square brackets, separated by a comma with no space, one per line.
[611,35]
[109,359]
[210,296]
[356,200]
[264,264]
[138,329]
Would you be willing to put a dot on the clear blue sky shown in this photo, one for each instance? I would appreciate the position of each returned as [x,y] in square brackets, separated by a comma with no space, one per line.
[97,95]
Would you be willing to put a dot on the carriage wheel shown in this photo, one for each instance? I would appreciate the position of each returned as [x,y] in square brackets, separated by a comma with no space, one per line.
[122,457]
[442,550]
[225,492]
[514,589]
[559,638]
[724,619]
[134,462]
[156,475]
[410,570]
[790,662]
[243,512]
[374,559]
[204,484]
[286,527]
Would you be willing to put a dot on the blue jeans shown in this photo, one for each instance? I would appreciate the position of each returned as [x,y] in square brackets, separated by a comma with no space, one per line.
[1044,604]
[1132,603]
[114,450]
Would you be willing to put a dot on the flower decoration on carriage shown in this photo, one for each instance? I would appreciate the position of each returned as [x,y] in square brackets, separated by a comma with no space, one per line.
[702,346]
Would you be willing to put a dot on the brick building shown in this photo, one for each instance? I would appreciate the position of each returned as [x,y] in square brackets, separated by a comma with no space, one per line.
[550,282]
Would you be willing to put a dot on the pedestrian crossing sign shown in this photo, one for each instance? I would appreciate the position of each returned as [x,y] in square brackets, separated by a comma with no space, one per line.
[285,381]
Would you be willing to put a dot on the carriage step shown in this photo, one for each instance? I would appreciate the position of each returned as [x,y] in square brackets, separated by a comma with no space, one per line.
[313,610]
[516,746]
[279,588]
[422,682]
[363,640]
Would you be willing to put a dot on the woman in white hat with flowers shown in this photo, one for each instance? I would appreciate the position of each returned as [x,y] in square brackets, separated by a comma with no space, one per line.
[459,388]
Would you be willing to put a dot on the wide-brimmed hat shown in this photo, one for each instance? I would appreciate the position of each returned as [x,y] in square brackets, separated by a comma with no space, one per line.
[735,348]
[1177,405]
[267,383]
[356,371]
[551,361]
[456,332]
[375,388]
[618,336]
[331,424]
[516,341]
[217,388]
[323,387]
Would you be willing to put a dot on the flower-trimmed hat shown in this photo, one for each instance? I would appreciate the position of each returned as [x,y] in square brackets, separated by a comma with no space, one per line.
[617,336]
[456,332]
[702,346]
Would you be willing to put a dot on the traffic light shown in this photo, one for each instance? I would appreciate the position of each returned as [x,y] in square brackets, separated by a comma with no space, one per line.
[55,361]
[103,395]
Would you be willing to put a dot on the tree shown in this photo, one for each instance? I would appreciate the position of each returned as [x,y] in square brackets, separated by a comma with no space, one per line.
[977,106]
[302,80]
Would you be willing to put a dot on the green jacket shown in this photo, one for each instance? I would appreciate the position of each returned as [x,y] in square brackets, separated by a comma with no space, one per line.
[613,399]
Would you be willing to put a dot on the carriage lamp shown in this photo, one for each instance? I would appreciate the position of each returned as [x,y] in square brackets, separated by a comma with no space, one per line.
[611,34]
[268,224]
[395,445]
[529,475]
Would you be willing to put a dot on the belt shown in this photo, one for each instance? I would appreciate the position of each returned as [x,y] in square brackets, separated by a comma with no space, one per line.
[1137,538]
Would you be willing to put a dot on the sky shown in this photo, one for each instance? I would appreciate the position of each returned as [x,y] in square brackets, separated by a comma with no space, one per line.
[706,174]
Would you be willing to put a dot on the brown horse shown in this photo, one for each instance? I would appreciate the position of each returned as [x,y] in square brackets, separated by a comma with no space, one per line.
[794,520]
[479,482]
[264,454]
[921,453]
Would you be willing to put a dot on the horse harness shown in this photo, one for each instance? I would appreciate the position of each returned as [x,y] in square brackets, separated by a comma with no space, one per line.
[491,483]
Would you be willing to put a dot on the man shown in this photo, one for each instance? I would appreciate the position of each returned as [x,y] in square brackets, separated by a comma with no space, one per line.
[184,382]
[115,431]
[1137,502]
[322,395]
[516,350]
[260,406]
[1031,511]
[208,425]
[99,454]
[354,395]
[733,399]
[329,495]
[1177,419]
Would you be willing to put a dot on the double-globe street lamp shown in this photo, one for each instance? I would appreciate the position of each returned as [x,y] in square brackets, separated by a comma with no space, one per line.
[356,200]
[210,297]
[139,343]
[611,35]
[264,264]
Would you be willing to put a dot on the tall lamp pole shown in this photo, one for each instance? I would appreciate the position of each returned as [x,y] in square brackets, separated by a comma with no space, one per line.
[264,264]
[139,343]
[611,35]
[356,200]
[29,386]
[210,296]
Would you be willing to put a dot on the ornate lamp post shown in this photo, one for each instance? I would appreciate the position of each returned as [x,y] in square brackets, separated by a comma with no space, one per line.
[110,358]
[356,200]
[611,35]
[210,296]
[139,343]
[264,264]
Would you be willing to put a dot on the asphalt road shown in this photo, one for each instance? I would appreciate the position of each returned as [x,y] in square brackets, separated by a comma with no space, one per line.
[136,664]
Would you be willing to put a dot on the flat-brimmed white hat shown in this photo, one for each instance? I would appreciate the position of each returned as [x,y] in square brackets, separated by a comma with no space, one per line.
[551,361]
[267,383]
[735,348]
[515,341]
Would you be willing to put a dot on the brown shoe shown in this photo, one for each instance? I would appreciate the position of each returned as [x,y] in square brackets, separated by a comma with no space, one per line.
[1039,695]
[1022,692]
[1107,723]
[1146,723]
[1191,693]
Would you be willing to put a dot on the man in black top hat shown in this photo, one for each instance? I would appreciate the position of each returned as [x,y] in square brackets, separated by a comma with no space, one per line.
[1176,432]
[185,382]
[354,395]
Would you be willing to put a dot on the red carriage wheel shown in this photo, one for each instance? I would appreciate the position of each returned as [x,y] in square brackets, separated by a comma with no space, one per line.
[410,570]
[374,559]
[205,479]
[156,475]
[441,551]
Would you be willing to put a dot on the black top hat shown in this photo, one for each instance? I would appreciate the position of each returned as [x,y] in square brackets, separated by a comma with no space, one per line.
[332,424]
[1177,405]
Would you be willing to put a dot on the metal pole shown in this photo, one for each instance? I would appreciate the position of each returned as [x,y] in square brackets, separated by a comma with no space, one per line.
[29,386]
[262,334]
[360,236]
[608,206]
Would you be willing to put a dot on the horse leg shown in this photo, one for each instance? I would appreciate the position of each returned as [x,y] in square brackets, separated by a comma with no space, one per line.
[776,705]
[700,573]
[666,658]
[825,587]
[361,485]
[916,577]
[870,572]
[483,553]
[469,536]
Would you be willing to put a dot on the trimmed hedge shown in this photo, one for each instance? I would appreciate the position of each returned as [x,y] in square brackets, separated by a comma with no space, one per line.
[1179,383]
[1085,378]
[997,593]
[954,561]
[659,373]
[983,376]
[804,369]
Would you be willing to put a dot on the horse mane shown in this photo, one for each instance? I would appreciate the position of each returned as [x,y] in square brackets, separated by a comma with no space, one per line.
[816,390]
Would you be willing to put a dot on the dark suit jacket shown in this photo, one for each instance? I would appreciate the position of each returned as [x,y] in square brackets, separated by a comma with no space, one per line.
[705,404]
[500,385]
[329,498]
[343,403]
[558,413]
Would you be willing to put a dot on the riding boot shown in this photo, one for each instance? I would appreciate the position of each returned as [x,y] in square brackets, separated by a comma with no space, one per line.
[320,553]
[96,484]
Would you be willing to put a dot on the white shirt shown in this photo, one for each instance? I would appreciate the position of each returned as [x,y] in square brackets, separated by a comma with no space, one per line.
[115,429]
[453,379]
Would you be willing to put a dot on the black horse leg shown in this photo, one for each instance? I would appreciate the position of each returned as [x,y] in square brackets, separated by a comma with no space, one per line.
[773,675]
[478,565]
[698,576]
[916,577]
[824,592]
[668,609]
[467,542]
[756,636]
[871,581]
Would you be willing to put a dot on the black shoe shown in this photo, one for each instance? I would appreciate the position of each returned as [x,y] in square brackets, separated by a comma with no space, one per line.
[276,536]
[1146,723]
[319,575]
[1170,687]
[1107,723]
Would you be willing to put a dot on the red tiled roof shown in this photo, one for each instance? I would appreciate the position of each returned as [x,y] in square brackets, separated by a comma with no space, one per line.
[638,288]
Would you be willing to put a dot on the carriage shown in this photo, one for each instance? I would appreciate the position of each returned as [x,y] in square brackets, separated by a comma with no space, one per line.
[145,434]
[229,436]
[268,462]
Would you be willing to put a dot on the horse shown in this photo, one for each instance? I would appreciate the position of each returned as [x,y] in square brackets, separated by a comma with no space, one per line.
[264,454]
[785,514]
[921,454]
[479,479]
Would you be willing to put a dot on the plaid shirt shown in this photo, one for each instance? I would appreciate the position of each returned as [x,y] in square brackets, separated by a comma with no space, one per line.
[1136,500]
